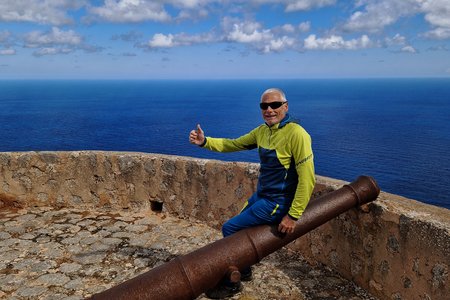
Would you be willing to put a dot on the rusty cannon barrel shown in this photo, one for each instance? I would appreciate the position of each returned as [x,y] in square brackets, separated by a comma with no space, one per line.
[188,276]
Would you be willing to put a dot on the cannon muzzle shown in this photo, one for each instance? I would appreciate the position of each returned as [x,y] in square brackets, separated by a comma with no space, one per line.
[188,276]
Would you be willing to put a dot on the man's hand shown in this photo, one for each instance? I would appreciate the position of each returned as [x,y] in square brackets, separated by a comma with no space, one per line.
[197,137]
[287,225]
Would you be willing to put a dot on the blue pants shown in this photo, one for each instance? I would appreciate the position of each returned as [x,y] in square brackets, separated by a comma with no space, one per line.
[257,211]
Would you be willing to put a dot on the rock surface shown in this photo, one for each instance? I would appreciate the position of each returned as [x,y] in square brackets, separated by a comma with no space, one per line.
[72,254]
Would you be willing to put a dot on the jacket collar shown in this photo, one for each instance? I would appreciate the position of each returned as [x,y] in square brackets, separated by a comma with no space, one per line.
[287,119]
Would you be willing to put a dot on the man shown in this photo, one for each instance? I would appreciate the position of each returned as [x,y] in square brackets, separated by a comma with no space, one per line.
[286,178]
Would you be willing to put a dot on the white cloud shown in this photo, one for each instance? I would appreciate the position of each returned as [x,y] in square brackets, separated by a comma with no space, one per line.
[56,36]
[135,11]
[295,5]
[249,32]
[438,34]
[409,49]
[52,51]
[57,12]
[279,44]
[160,40]
[304,26]
[288,28]
[191,14]
[131,11]
[374,16]
[437,13]
[369,16]
[190,4]
[255,36]
[38,11]
[7,52]
[398,39]
[57,41]
[335,42]
[379,14]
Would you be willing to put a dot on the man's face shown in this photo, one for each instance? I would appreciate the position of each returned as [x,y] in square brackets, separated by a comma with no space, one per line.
[270,115]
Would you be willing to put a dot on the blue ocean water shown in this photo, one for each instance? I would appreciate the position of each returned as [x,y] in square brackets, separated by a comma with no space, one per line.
[396,130]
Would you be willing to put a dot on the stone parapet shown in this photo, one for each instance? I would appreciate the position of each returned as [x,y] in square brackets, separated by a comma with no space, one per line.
[195,188]
[396,248]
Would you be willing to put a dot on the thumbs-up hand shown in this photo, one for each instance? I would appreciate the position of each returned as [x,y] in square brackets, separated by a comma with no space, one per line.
[197,136]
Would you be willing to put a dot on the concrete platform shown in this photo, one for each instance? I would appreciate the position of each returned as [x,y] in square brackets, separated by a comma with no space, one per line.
[72,254]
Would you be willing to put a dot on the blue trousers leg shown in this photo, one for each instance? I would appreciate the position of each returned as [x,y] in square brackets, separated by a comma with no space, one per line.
[258,211]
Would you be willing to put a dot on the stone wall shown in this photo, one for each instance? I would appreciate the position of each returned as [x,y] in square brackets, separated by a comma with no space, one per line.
[192,188]
[395,248]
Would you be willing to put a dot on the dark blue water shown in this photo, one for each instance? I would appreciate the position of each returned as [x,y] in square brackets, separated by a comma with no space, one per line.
[396,130]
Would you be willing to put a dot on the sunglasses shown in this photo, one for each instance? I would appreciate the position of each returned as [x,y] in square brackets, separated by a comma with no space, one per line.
[272,105]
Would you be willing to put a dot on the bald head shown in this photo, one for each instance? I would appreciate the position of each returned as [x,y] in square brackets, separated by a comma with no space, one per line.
[274,90]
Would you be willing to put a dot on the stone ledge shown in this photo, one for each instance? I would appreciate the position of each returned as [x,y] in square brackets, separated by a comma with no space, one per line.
[395,247]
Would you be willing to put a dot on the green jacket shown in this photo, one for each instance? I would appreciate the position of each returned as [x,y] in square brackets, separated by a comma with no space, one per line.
[287,165]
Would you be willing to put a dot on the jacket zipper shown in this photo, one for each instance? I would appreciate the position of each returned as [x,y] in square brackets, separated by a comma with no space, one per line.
[270,136]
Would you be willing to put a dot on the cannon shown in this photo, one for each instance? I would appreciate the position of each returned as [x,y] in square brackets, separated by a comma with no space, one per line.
[188,276]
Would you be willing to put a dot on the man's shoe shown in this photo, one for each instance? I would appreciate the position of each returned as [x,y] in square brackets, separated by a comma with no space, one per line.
[223,291]
[247,275]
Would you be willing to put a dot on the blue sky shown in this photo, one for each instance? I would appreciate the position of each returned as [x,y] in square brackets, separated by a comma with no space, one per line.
[217,39]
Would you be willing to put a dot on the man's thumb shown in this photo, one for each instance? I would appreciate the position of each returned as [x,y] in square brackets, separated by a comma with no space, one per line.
[199,129]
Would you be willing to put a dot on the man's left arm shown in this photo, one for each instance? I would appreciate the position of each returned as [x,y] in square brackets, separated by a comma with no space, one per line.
[304,160]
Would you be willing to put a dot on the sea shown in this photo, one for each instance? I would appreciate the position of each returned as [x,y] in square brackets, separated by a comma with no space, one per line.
[395,130]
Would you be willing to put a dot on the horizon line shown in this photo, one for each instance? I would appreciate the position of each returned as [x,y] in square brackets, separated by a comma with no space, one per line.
[224,79]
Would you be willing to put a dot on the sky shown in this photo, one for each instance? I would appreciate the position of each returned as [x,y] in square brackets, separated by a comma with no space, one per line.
[223,39]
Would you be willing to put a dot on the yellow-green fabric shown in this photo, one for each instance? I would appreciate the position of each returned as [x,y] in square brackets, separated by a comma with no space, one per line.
[287,165]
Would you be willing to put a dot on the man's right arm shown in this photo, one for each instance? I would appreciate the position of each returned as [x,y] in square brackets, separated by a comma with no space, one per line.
[245,142]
